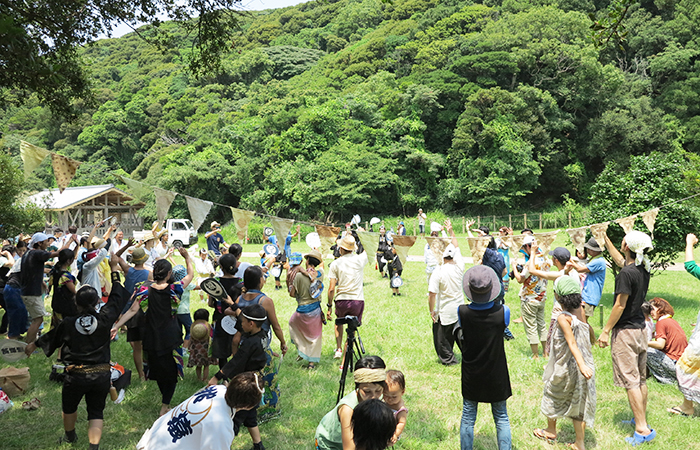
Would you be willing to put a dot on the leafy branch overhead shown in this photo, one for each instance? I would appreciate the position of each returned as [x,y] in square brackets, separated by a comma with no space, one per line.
[41,40]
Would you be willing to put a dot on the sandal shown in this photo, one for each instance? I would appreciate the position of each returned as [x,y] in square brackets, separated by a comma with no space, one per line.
[677,411]
[638,439]
[35,402]
[539,433]
[27,406]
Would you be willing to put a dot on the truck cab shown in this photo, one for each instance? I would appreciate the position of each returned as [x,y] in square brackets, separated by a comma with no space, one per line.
[181,233]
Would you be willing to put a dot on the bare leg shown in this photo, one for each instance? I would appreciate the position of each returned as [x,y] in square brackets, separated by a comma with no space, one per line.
[69,421]
[339,336]
[164,409]
[545,351]
[551,427]
[138,358]
[255,434]
[580,429]
[186,344]
[95,430]
[206,373]
[33,329]
[234,343]
[198,370]
[637,400]
[535,351]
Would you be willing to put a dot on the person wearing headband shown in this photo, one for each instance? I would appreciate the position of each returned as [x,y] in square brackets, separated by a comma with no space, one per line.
[335,430]
[204,420]
[250,357]
[625,333]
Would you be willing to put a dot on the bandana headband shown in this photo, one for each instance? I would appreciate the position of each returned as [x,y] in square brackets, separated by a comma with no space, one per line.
[257,319]
[370,375]
[262,391]
[637,243]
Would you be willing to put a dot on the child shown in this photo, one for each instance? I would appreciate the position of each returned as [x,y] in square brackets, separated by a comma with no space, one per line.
[373,425]
[393,396]
[569,384]
[204,420]
[649,326]
[335,430]
[394,266]
[485,377]
[250,357]
[200,333]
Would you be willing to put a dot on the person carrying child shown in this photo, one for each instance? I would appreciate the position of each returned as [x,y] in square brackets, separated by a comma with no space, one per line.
[200,336]
[569,382]
[250,357]
[393,396]
[394,266]
[335,430]
[485,377]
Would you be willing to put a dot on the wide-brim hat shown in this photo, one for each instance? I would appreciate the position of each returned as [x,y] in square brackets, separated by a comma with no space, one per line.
[215,224]
[347,243]
[314,254]
[592,244]
[481,284]
[199,331]
[98,243]
[148,236]
[139,256]
[295,259]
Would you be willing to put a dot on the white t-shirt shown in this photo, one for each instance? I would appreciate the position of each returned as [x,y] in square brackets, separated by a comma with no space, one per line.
[421,218]
[203,267]
[348,270]
[203,421]
[241,269]
[115,246]
[446,283]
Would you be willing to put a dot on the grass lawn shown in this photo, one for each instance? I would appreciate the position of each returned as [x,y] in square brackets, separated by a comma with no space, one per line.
[399,330]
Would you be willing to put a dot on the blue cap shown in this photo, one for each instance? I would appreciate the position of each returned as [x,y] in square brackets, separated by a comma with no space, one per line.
[179,272]
[36,238]
[295,259]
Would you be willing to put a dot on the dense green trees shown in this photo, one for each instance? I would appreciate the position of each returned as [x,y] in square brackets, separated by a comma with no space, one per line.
[358,106]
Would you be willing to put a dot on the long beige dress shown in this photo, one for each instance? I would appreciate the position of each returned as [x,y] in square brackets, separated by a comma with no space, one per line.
[567,393]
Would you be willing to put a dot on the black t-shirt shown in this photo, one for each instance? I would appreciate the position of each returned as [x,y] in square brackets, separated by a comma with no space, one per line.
[634,281]
[32,275]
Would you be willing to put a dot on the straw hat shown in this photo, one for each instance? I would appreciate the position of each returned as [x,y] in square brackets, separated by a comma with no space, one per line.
[314,254]
[139,256]
[98,243]
[199,331]
[347,243]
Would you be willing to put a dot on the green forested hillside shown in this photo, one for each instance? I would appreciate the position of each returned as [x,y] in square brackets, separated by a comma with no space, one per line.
[344,106]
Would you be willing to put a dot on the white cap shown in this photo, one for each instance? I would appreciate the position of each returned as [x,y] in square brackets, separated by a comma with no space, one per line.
[528,240]
[449,252]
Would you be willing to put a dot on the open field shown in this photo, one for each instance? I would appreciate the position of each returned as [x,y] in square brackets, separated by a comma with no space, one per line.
[399,330]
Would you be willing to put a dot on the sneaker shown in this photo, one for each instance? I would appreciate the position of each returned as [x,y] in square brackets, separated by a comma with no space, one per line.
[638,439]
[508,335]
[338,353]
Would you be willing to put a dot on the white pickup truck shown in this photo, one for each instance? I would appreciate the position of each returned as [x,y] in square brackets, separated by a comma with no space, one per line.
[181,233]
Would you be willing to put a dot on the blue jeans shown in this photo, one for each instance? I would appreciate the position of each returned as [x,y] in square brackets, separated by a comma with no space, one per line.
[500,417]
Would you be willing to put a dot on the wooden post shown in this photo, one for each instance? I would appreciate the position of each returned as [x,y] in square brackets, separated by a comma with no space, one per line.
[569,219]
[510,221]
[478,221]
[540,221]
[525,220]
[494,223]
[464,225]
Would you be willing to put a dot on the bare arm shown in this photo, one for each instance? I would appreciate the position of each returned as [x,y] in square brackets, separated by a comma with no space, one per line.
[658,343]
[448,227]
[615,314]
[345,416]
[331,295]
[190,272]
[431,305]
[518,276]
[615,254]
[402,417]
[125,317]
[690,241]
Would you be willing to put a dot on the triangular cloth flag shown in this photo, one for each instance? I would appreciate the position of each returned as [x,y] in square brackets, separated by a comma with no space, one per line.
[517,243]
[437,246]
[32,156]
[164,199]
[137,188]
[649,218]
[281,227]
[328,236]
[370,241]
[402,244]
[199,209]
[598,231]
[63,170]
[477,247]
[507,240]
[241,218]
[544,240]
[627,223]
[578,237]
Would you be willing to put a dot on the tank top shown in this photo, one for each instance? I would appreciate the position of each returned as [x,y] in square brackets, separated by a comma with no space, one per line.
[242,303]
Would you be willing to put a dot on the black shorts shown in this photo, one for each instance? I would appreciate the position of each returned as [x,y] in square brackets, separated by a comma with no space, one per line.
[247,418]
[93,386]
[133,334]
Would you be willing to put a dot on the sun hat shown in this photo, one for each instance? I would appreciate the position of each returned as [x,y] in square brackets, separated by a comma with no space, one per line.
[36,238]
[450,251]
[98,242]
[314,254]
[215,224]
[566,285]
[139,256]
[347,243]
[179,272]
[592,244]
[561,254]
[481,284]
[148,236]
[199,331]
[295,259]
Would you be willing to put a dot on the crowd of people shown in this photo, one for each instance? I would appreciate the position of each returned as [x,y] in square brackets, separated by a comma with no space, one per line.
[100,285]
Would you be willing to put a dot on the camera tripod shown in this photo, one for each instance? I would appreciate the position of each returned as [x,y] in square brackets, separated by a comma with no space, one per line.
[354,349]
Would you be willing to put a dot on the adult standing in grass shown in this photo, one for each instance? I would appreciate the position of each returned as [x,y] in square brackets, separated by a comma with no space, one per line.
[306,323]
[485,377]
[624,331]
[444,298]
[533,296]
[345,288]
[161,331]
[421,221]
[214,239]
[687,366]
[84,343]
[595,276]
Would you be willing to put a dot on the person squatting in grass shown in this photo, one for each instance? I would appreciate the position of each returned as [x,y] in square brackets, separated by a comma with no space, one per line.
[84,343]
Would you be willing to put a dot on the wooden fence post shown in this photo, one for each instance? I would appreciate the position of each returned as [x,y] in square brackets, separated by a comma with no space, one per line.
[510,221]
[464,225]
[478,221]
[540,221]
[494,223]
[569,219]
[525,220]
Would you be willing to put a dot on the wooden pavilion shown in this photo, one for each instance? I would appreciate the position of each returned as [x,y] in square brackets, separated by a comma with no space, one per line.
[85,205]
